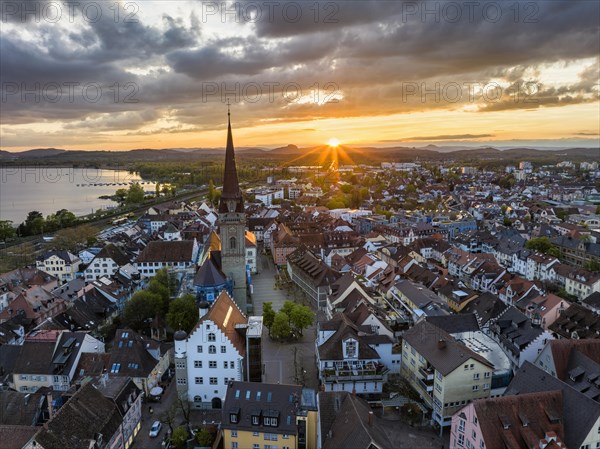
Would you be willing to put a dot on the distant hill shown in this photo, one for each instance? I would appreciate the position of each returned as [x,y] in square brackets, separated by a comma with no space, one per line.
[298,156]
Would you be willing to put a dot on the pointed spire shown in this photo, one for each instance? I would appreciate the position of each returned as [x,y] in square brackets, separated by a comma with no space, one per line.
[231,185]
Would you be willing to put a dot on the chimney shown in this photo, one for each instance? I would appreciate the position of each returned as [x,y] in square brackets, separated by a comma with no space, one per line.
[50,408]
[370,418]
[441,343]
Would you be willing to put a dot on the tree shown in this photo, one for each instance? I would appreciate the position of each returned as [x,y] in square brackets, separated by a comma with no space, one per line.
[179,437]
[142,307]
[72,239]
[121,195]
[281,326]
[33,224]
[301,317]
[204,438]
[135,194]
[157,192]
[6,230]
[544,246]
[598,209]
[592,265]
[268,315]
[507,222]
[183,313]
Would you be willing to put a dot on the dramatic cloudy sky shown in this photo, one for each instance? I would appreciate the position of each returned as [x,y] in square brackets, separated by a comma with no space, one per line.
[111,74]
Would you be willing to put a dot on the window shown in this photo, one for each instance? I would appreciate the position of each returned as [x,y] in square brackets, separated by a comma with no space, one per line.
[212,349]
[466,367]
[255,420]
[233,418]
[181,381]
[471,366]
[234,445]
[486,386]
[476,376]
[481,445]
[234,434]
[212,364]
[487,374]
[256,445]
[461,425]
[438,375]
[474,435]
[213,381]
[199,380]
[255,434]
[474,419]
[223,349]
[351,349]
[475,387]
[199,349]
[285,436]
[461,439]
[197,363]
[211,337]
[232,243]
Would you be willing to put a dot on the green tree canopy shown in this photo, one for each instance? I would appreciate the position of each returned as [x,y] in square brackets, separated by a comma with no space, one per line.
[142,307]
[301,317]
[204,438]
[268,315]
[6,230]
[179,437]
[135,194]
[183,313]
[281,326]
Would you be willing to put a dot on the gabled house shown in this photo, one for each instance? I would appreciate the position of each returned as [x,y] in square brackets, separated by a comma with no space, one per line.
[178,255]
[521,339]
[445,373]
[142,360]
[87,420]
[580,414]
[51,362]
[61,264]
[517,422]
[213,354]
[282,415]
[353,358]
[106,263]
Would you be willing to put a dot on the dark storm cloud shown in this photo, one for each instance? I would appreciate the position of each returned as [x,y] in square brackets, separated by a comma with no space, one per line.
[370,50]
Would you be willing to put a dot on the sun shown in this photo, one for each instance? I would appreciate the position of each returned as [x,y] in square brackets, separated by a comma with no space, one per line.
[333,142]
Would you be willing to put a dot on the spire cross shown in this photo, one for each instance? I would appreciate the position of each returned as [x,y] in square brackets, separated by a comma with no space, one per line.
[228,104]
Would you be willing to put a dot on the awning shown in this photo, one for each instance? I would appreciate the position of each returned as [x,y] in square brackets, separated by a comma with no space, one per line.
[156,391]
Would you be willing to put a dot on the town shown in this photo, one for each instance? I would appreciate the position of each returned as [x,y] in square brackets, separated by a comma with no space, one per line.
[398,305]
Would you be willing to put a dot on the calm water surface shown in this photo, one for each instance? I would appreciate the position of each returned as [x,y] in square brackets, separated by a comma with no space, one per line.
[48,189]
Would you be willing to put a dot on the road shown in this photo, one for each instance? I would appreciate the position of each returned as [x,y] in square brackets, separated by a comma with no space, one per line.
[278,358]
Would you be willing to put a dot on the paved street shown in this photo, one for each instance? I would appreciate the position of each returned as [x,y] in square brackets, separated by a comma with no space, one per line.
[278,358]
[142,440]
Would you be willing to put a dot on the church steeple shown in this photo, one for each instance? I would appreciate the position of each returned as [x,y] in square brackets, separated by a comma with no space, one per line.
[231,197]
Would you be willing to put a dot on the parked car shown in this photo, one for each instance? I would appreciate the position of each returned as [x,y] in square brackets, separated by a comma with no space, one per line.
[155,429]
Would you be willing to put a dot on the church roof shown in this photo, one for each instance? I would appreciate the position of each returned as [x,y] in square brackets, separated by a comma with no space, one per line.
[231,185]
[209,275]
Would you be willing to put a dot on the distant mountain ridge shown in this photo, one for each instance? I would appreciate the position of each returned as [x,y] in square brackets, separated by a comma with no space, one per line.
[347,155]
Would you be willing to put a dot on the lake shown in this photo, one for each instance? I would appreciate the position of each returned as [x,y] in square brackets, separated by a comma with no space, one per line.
[48,189]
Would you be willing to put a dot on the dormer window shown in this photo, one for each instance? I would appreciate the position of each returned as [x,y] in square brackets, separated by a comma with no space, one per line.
[234,416]
[351,349]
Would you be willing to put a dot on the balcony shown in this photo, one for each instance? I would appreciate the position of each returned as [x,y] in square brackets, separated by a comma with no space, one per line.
[359,371]
[427,373]
[426,385]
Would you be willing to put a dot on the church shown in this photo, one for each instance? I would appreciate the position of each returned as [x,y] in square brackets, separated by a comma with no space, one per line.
[225,344]
[230,254]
